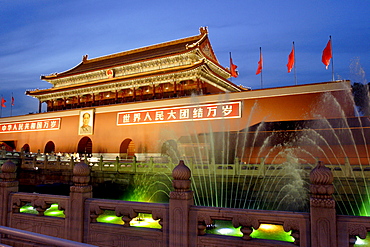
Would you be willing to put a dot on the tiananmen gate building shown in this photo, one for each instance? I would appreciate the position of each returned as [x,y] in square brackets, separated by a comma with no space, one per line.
[145,101]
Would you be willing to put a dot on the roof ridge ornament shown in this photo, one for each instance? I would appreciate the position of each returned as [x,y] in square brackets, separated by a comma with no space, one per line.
[84,58]
[191,45]
[203,30]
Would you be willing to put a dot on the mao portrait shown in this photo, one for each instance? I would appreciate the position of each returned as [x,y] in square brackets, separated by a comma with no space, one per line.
[86,122]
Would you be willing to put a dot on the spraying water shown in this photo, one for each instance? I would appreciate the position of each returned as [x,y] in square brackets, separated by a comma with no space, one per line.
[265,165]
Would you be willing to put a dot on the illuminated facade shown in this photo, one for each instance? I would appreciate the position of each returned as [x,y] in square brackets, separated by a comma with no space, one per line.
[138,100]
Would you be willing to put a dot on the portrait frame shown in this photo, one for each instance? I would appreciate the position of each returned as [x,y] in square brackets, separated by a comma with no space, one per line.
[86,126]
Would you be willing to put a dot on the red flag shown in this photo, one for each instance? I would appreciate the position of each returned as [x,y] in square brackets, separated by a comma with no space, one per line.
[259,69]
[3,102]
[291,60]
[233,67]
[12,101]
[327,54]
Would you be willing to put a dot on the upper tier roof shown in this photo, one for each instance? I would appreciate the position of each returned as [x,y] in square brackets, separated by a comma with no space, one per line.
[140,54]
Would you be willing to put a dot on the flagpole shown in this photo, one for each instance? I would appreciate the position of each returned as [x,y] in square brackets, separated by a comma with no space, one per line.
[11,105]
[231,78]
[295,72]
[1,107]
[261,67]
[332,59]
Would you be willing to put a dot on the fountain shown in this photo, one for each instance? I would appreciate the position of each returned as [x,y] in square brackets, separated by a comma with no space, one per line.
[149,187]
[266,165]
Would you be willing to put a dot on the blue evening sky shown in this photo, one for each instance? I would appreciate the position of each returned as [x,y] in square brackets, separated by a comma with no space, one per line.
[39,37]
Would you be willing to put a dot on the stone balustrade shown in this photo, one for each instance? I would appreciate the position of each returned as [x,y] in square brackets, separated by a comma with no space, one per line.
[67,161]
[103,234]
[181,223]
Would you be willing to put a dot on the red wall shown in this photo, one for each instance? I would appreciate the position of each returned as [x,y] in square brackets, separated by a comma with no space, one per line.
[108,137]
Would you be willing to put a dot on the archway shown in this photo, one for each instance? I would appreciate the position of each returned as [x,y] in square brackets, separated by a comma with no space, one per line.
[49,147]
[7,145]
[127,149]
[84,146]
[26,148]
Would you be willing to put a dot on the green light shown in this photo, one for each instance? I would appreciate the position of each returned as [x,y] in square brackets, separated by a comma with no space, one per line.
[110,218]
[223,227]
[363,242]
[143,220]
[360,241]
[265,231]
[226,231]
[26,209]
[52,211]
[273,232]
[365,207]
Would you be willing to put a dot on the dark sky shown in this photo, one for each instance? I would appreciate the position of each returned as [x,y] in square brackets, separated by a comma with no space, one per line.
[41,37]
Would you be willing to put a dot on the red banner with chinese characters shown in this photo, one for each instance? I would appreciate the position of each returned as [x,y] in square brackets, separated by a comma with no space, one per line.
[184,113]
[34,125]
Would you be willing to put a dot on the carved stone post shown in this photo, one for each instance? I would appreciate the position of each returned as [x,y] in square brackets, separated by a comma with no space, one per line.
[180,202]
[8,184]
[79,192]
[322,208]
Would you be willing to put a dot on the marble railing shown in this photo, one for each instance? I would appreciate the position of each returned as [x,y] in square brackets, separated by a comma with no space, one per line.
[179,223]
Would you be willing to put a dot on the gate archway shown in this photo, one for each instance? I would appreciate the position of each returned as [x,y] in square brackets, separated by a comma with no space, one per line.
[84,146]
[26,148]
[127,149]
[49,147]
